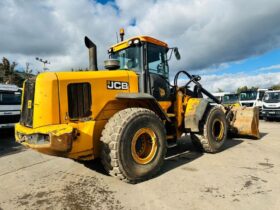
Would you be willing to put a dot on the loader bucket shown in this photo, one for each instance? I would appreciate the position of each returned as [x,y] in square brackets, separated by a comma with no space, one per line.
[245,121]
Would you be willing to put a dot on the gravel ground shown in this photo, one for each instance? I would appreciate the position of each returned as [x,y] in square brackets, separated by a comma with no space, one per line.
[245,175]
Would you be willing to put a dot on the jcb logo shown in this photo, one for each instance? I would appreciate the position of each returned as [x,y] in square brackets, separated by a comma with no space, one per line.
[116,85]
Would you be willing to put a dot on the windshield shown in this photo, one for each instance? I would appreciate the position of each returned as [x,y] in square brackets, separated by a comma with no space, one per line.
[233,98]
[10,98]
[272,97]
[130,58]
[250,95]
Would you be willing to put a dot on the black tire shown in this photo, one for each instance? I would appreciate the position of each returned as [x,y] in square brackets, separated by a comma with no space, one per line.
[117,137]
[213,131]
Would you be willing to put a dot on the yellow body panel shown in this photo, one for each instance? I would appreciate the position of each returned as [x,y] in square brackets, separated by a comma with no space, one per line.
[86,145]
[165,105]
[50,114]
[46,111]
[98,81]
[125,44]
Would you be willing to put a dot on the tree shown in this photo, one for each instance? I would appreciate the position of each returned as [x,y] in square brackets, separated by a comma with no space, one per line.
[27,71]
[9,74]
[241,89]
[275,87]
[245,88]
[7,71]
[253,88]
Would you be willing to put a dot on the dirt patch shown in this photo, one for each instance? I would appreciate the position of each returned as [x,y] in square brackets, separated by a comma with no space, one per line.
[80,192]
[214,191]
[253,185]
[189,169]
[247,184]
[25,196]
[268,165]
[211,189]
[40,194]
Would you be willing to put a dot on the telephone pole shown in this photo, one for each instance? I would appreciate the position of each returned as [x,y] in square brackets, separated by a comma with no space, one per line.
[44,63]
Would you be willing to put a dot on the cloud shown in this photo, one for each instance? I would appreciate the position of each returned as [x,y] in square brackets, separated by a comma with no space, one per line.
[268,68]
[29,27]
[230,82]
[209,33]
[55,31]
[216,31]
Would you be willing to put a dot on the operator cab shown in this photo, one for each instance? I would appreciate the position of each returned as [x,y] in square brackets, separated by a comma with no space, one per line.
[148,58]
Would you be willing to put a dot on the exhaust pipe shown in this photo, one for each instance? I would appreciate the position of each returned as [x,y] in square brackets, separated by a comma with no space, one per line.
[92,54]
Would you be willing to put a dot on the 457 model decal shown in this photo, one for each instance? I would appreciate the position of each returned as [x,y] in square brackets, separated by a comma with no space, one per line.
[117,85]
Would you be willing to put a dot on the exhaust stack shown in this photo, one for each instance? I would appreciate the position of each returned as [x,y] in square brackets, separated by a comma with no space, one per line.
[122,34]
[92,54]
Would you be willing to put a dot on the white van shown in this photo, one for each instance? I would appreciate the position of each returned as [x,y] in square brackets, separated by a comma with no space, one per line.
[271,105]
[220,95]
[252,98]
[10,100]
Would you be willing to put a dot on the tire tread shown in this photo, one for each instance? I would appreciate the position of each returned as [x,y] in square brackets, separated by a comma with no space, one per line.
[110,137]
[201,140]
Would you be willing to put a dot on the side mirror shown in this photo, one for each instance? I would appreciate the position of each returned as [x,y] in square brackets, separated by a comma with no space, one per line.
[177,54]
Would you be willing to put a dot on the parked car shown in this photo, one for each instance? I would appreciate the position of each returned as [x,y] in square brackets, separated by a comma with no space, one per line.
[10,100]
[220,95]
[231,99]
[271,105]
[252,98]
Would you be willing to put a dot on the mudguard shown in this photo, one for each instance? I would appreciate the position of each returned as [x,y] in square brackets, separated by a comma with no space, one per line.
[194,112]
[148,101]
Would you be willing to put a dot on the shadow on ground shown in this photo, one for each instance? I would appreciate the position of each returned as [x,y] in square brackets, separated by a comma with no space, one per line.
[95,165]
[176,156]
[262,134]
[185,152]
[8,145]
[179,155]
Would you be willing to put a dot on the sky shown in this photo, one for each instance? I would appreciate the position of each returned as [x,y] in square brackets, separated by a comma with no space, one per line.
[230,43]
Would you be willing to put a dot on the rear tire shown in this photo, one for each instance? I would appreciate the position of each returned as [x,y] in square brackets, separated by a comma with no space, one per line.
[213,131]
[134,144]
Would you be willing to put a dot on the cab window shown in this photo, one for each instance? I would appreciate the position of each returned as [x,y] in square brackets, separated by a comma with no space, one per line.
[157,60]
[130,58]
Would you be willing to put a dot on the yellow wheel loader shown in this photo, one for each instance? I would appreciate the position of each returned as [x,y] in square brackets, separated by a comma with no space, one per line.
[127,114]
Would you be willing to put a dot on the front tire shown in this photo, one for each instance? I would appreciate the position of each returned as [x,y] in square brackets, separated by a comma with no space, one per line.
[213,131]
[134,144]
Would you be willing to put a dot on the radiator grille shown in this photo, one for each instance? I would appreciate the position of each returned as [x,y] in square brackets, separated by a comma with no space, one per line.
[26,118]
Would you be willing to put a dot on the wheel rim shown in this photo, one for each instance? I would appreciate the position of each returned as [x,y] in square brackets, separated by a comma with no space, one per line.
[144,146]
[218,130]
